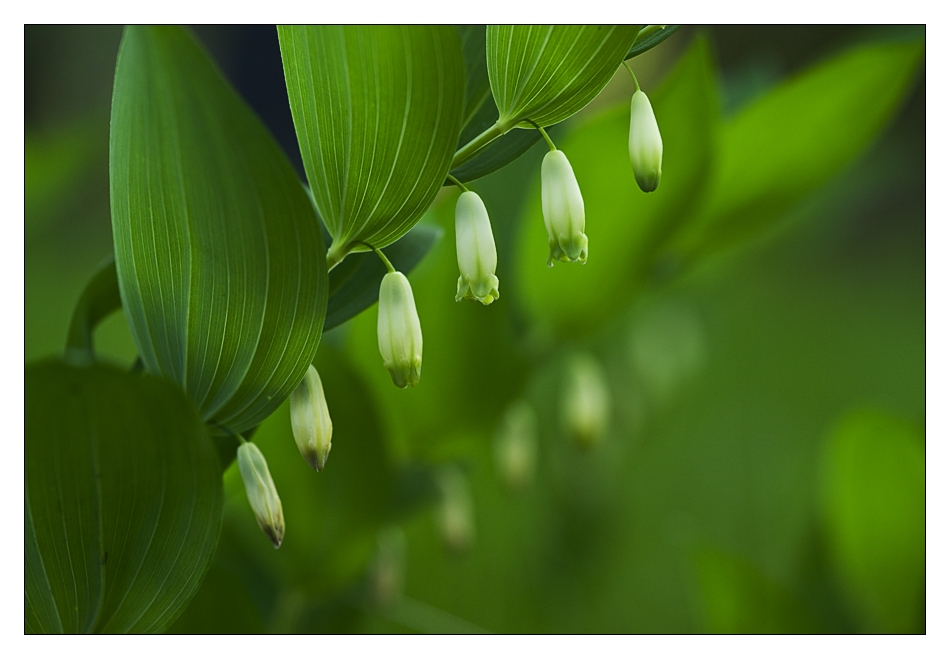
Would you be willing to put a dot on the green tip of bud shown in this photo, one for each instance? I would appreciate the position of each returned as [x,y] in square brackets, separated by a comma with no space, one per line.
[645,145]
[261,492]
[563,209]
[310,420]
[399,331]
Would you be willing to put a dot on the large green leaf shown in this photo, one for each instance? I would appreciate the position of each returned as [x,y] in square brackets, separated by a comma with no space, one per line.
[624,225]
[797,136]
[546,73]
[874,506]
[354,284]
[377,111]
[218,250]
[123,500]
[480,113]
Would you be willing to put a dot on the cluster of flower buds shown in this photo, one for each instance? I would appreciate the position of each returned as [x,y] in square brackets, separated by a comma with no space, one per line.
[563,209]
[586,401]
[646,145]
[516,445]
[399,331]
[261,492]
[310,420]
[475,248]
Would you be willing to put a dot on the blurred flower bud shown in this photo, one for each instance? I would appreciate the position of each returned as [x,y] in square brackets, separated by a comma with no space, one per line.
[516,445]
[455,510]
[475,247]
[261,493]
[563,209]
[646,145]
[399,331]
[586,402]
[310,420]
[389,566]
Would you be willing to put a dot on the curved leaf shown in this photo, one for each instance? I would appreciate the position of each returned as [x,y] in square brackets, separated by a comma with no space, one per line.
[655,38]
[546,73]
[99,298]
[377,111]
[480,113]
[354,284]
[218,250]
[123,500]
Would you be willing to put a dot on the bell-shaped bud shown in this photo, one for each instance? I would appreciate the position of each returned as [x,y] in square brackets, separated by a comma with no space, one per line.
[261,493]
[563,209]
[475,246]
[516,445]
[388,568]
[399,331]
[586,401]
[646,145]
[455,510]
[310,420]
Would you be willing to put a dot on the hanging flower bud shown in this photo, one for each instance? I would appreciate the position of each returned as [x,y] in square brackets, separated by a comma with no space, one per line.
[388,568]
[455,510]
[646,145]
[261,493]
[516,445]
[475,247]
[399,331]
[563,209]
[586,402]
[310,420]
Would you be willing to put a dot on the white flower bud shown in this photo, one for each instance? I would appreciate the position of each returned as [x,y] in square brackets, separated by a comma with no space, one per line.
[646,145]
[516,445]
[310,420]
[586,402]
[399,331]
[563,209]
[475,247]
[261,493]
[455,511]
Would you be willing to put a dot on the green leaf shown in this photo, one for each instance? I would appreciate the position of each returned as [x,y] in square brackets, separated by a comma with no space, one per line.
[480,113]
[99,298]
[799,135]
[123,500]
[625,226]
[354,284]
[648,41]
[377,111]
[546,73]
[874,507]
[218,250]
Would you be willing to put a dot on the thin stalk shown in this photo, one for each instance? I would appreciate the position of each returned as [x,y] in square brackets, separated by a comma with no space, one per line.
[634,76]
[544,134]
[457,182]
[379,253]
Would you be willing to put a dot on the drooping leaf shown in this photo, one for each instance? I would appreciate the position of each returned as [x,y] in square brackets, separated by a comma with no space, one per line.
[546,73]
[797,136]
[650,40]
[873,500]
[377,111]
[354,284]
[624,225]
[219,254]
[99,298]
[480,113]
[123,500]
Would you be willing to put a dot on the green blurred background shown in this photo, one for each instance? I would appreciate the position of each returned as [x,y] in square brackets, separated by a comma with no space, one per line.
[759,323]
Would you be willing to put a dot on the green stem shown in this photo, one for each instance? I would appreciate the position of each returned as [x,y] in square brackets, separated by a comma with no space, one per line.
[469,151]
[544,134]
[647,31]
[99,298]
[634,76]
[389,266]
[457,182]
